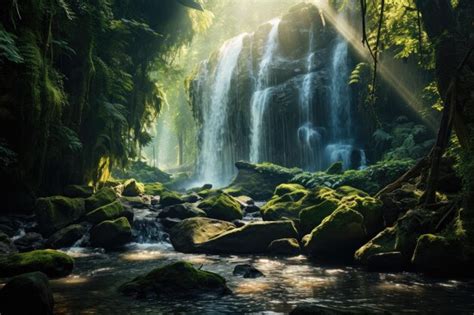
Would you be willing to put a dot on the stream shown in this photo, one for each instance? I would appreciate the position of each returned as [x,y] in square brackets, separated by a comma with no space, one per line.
[288,282]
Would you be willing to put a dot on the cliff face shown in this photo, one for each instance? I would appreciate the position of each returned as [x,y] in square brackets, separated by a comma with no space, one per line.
[281,95]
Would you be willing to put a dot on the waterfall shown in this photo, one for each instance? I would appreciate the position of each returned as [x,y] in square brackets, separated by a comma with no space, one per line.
[215,151]
[261,95]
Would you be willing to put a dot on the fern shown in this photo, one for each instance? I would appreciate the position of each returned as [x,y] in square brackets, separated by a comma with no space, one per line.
[357,73]
[67,9]
[8,48]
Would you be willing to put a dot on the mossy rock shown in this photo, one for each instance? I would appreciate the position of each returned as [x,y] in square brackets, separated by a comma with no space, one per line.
[28,293]
[221,206]
[53,263]
[285,247]
[78,191]
[252,238]
[335,168]
[182,211]
[438,255]
[188,234]
[312,216]
[101,198]
[179,279]
[259,180]
[110,211]
[111,234]
[288,205]
[384,242]
[132,188]
[370,208]
[54,213]
[284,189]
[170,198]
[337,237]
[66,237]
[154,189]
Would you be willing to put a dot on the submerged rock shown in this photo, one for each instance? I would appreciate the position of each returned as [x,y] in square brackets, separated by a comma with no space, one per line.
[51,262]
[54,213]
[326,310]
[247,271]
[221,206]
[391,261]
[285,247]
[253,238]
[188,234]
[111,234]
[66,237]
[28,293]
[179,279]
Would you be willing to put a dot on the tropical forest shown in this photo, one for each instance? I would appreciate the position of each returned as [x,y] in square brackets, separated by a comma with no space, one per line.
[236,157]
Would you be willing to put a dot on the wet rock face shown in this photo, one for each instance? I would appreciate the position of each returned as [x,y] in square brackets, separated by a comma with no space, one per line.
[247,271]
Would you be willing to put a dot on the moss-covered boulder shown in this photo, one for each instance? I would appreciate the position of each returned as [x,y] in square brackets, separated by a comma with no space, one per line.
[289,204]
[369,207]
[337,237]
[252,238]
[170,198]
[154,189]
[188,234]
[28,293]
[78,191]
[179,279]
[284,189]
[285,247]
[51,262]
[221,206]
[259,180]
[312,216]
[384,242]
[101,198]
[111,234]
[182,211]
[54,213]
[335,168]
[110,211]
[66,237]
[132,188]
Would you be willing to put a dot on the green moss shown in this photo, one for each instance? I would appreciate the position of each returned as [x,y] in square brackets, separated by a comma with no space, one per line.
[312,216]
[101,198]
[284,189]
[111,234]
[337,237]
[285,247]
[288,205]
[176,279]
[221,206]
[78,191]
[370,208]
[384,242]
[154,189]
[132,188]
[54,213]
[335,168]
[108,212]
[169,198]
[52,263]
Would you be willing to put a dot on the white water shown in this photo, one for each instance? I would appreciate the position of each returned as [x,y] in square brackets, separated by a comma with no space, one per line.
[214,166]
[260,97]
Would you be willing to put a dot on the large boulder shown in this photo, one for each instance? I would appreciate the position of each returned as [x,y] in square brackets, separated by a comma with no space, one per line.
[110,211]
[54,213]
[384,242]
[66,237]
[259,180]
[170,198]
[252,238]
[111,234]
[182,211]
[337,237]
[132,188]
[221,206]
[51,262]
[188,234]
[28,293]
[101,198]
[285,247]
[78,191]
[287,202]
[179,279]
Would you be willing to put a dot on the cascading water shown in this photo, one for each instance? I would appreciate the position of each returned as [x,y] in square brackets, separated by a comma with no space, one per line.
[262,92]
[215,152]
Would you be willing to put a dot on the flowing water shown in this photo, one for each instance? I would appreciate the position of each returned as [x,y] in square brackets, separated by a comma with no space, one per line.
[92,288]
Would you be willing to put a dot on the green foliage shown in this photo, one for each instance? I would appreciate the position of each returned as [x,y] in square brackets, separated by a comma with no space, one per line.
[8,48]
